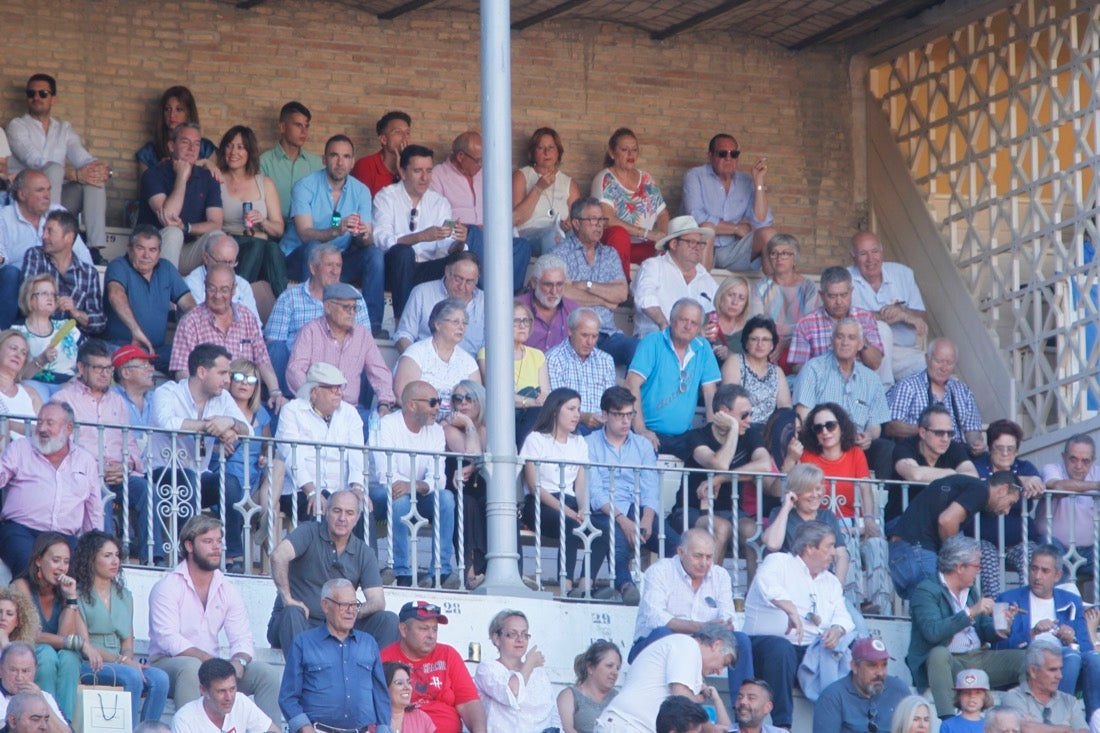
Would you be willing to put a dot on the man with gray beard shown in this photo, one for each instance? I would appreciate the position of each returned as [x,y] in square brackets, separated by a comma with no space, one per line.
[50,485]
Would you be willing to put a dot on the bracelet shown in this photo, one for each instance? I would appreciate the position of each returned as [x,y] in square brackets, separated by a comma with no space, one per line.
[71,602]
[275,392]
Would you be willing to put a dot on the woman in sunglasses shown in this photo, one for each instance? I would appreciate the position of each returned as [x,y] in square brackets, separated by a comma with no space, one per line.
[244,387]
[467,401]
[553,474]
[829,442]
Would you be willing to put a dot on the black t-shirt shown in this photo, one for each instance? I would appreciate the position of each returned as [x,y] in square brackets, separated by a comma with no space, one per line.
[746,446]
[910,448]
[920,522]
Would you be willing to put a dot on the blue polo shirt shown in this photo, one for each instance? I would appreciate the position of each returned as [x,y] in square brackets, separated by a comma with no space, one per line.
[312,195]
[149,299]
[669,409]
[201,193]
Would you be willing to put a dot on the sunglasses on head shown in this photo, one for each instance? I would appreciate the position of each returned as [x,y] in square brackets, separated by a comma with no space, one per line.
[246,378]
[829,425]
[735,154]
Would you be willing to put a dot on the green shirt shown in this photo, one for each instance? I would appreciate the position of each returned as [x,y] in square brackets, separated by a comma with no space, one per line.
[284,172]
[108,627]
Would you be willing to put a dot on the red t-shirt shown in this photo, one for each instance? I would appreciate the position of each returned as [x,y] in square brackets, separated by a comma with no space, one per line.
[440,681]
[372,172]
[852,463]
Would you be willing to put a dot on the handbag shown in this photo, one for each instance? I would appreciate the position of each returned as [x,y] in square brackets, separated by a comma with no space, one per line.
[102,708]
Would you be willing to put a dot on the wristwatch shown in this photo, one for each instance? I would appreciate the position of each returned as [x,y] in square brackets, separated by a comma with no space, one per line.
[588,284]
[242,660]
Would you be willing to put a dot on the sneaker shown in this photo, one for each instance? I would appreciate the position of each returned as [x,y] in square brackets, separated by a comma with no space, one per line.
[630,594]
[387,576]
[404,581]
[452,582]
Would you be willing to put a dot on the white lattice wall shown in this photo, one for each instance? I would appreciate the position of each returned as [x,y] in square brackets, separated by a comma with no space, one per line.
[998,123]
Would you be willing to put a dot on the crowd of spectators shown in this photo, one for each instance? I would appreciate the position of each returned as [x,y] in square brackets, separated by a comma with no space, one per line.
[254,283]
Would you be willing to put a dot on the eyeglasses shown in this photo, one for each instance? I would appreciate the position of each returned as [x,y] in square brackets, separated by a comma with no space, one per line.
[692,242]
[44,294]
[513,635]
[621,415]
[412,218]
[459,398]
[940,433]
[455,321]
[1046,715]
[1004,448]
[552,284]
[346,307]
[98,367]
[872,714]
[683,381]
[227,263]
[761,340]
[827,426]
[40,93]
[735,154]
[782,254]
[432,401]
[476,160]
[595,220]
[346,606]
[522,322]
[239,377]
[224,290]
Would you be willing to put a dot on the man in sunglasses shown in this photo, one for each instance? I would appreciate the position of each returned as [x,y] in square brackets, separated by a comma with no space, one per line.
[333,681]
[41,142]
[927,456]
[732,203]
[864,700]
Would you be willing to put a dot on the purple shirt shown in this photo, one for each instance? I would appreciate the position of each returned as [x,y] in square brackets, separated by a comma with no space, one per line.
[37,495]
[545,335]
[178,620]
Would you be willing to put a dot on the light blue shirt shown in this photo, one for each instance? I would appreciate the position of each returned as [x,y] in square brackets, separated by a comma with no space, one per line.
[313,195]
[636,451]
[898,286]
[706,199]
[17,235]
[414,320]
[669,409]
[861,394]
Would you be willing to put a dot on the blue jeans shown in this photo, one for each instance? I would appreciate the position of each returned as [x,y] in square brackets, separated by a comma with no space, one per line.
[234,520]
[521,256]
[620,346]
[909,565]
[151,681]
[58,672]
[279,354]
[10,278]
[138,499]
[624,545]
[1089,681]
[16,541]
[425,505]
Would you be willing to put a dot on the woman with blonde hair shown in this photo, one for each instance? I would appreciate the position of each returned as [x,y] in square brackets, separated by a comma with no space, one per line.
[18,619]
[912,715]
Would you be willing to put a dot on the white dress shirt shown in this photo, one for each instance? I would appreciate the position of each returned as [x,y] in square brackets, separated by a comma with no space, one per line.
[668,594]
[785,577]
[659,282]
[172,404]
[392,214]
[298,421]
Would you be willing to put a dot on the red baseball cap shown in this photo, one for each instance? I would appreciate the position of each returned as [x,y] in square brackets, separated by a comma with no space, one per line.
[129,352]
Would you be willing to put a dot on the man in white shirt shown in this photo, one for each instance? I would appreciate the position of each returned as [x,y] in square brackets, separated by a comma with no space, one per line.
[889,290]
[222,250]
[793,601]
[400,476]
[1077,473]
[220,708]
[459,282]
[44,143]
[415,227]
[674,665]
[201,404]
[320,414]
[677,273]
[18,667]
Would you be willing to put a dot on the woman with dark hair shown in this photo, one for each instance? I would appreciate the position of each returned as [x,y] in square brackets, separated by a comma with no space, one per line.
[404,716]
[106,626]
[542,194]
[467,416]
[597,670]
[553,474]
[177,105]
[252,212]
[635,209]
[754,370]
[1003,437]
[829,442]
[54,594]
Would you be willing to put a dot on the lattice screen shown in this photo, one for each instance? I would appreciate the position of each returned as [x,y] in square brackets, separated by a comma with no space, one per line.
[999,125]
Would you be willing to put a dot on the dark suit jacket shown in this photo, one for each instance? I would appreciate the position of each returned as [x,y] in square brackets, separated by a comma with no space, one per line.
[934,621]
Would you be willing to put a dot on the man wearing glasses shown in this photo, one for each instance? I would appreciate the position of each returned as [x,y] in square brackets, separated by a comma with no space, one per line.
[319,551]
[333,681]
[864,700]
[594,276]
[399,477]
[732,203]
[221,250]
[545,297]
[415,227]
[672,275]
[459,283]
[44,143]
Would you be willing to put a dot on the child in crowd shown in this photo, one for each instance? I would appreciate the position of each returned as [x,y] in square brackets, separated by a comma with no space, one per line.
[972,697]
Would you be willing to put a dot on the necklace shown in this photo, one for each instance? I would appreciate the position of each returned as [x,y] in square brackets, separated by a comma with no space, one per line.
[553,192]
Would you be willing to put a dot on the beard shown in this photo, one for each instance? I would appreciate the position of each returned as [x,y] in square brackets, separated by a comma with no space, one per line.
[206,564]
[48,446]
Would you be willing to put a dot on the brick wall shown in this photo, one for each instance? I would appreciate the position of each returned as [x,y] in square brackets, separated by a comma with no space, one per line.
[114,58]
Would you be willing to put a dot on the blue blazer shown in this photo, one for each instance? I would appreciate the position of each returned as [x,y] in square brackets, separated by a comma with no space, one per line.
[1067,607]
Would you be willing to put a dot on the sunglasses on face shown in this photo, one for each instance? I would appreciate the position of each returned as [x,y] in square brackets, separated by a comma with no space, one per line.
[432,401]
[458,399]
[735,154]
[40,93]
[239,377]
[828,425]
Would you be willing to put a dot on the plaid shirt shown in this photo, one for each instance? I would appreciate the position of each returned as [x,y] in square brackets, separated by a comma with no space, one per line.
[589,377]
[910,396]
[606,267]
[243,340]
[813,336]
[80,282]
[295,308]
